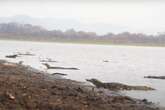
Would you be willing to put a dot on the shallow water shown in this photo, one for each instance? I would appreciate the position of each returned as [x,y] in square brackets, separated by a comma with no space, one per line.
[127,64]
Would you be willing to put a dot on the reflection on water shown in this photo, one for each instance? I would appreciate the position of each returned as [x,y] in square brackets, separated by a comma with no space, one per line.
[125,64]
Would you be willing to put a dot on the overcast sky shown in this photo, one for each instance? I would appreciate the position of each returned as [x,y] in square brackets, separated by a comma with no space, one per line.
[138,16]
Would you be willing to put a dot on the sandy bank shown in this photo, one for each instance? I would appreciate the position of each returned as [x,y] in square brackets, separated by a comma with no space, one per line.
[24,88]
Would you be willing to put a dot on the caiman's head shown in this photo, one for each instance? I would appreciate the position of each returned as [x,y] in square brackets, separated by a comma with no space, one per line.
[95,82]
[47,65]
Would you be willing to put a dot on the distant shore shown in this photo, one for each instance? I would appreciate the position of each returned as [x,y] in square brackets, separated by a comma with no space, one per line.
[86,42]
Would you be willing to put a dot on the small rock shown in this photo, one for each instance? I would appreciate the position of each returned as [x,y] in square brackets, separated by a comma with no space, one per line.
[10,96]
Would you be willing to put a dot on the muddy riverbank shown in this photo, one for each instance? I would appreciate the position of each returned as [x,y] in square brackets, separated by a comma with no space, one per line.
[24,88]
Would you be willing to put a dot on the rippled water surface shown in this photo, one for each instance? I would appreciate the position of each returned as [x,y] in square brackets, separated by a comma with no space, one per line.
[126,64]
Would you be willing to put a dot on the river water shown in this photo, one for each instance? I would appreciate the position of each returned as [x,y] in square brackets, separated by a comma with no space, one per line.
[124,64]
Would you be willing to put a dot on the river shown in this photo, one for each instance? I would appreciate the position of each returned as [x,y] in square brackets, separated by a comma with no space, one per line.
[109,63]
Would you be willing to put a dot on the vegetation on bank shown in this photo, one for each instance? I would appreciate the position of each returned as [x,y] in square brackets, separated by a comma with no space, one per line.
[28,32]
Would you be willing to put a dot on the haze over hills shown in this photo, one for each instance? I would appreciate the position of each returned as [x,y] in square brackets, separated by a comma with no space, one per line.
[61,23]
[17,31]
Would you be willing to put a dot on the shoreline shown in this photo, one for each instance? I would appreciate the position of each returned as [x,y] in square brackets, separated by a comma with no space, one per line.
[85,43]
[25,88]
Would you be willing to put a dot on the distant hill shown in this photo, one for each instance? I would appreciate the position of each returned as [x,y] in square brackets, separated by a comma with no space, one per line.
[16,28]
[16,31]
[64,23]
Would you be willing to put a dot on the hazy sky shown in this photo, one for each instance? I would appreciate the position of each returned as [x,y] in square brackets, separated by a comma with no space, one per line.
[134,16]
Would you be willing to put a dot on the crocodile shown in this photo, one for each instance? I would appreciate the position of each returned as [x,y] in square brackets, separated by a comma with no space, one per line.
[155,77]
[117,86]
[55,67]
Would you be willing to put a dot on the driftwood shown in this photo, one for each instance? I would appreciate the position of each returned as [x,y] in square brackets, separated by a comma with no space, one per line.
[155,77]
[117,86]
[55,67]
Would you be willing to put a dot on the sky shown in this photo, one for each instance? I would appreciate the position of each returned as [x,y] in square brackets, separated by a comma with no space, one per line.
[102,16]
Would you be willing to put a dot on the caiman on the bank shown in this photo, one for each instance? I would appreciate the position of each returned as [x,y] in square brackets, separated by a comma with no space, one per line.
[117,86]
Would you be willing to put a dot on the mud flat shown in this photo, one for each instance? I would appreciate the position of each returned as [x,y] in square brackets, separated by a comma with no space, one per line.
[24,88]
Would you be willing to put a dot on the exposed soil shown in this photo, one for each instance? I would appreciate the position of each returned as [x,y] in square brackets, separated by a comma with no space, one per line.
[23,88]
